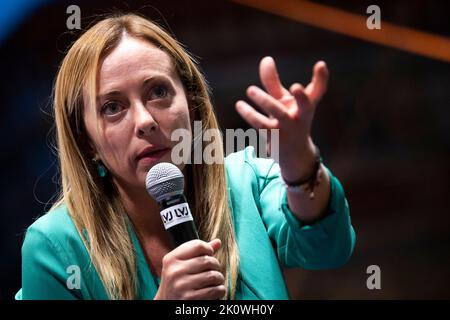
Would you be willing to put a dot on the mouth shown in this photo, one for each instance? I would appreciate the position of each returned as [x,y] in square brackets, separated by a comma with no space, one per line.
[151,155]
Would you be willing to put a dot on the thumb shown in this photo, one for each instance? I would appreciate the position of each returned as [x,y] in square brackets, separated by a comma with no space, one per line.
[215,244]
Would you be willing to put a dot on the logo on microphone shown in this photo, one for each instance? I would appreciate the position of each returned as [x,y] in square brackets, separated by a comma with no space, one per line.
[175,215]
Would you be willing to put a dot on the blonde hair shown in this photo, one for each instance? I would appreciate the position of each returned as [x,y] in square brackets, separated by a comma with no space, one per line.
[93,202]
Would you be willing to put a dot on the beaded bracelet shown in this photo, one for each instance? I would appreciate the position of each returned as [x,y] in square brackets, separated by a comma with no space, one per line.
[307,185]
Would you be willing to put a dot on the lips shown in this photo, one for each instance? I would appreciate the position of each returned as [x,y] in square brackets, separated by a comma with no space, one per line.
[152,153]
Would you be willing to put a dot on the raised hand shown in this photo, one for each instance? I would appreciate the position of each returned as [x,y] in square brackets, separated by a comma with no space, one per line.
[291,111]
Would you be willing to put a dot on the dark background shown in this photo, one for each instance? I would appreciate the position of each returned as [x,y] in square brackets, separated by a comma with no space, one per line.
[383,127]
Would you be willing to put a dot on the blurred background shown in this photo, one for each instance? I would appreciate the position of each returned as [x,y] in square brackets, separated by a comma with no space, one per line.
[383,127]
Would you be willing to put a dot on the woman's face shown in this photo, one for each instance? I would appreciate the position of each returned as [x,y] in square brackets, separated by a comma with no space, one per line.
[140,102]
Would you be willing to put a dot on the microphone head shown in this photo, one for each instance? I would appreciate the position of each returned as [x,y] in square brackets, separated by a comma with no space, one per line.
[164,180]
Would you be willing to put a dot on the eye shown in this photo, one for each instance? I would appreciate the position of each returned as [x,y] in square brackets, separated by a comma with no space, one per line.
[159,92]
[111,108]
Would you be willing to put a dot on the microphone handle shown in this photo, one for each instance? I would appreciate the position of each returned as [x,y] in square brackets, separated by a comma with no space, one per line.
[182,233]
[177,219]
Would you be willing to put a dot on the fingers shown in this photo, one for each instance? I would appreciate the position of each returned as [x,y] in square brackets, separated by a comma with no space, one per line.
[210,278]
[215,244]
[191,249]
[190,271]
[201,264]
[303,101]
[319,82]
[211,293]
[268,103]
[298,91]
[278,102]
[254,118]
[205,285]
[270,79]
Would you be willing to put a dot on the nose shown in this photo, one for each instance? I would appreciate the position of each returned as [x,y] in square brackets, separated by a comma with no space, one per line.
[145,123]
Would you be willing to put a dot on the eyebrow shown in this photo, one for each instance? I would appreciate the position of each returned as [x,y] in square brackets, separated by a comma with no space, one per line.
[144,83]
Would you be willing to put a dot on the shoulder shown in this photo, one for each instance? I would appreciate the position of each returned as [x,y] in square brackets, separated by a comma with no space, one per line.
[53,252]
[55,224]
[54,230]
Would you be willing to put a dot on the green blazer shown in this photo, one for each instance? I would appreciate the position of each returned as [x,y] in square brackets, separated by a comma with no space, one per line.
[269,236]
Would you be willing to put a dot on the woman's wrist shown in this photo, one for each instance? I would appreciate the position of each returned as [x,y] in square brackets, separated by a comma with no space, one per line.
[308,181]
[300,168]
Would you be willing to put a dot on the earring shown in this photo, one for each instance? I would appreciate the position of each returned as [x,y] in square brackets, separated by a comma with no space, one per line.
[100,168]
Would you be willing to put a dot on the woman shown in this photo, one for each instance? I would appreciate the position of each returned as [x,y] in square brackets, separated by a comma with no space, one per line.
[124,86]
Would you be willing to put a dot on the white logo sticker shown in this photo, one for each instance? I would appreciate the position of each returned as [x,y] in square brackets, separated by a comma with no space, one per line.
[175,215]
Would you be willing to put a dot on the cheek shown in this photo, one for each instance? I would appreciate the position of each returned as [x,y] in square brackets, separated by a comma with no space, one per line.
[175,118]
[114,146]
[183,119]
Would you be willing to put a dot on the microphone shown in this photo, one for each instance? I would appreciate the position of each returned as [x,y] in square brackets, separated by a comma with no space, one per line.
[165,183]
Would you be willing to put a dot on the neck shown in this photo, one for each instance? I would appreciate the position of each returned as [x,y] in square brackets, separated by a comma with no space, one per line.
[143,211]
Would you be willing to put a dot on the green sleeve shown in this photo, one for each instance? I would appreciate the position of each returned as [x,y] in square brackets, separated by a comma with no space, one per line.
[44,269]
[328,243]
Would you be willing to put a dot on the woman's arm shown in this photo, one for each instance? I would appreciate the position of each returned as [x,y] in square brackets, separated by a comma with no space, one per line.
[291,112]
[326,243]
[313,233]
